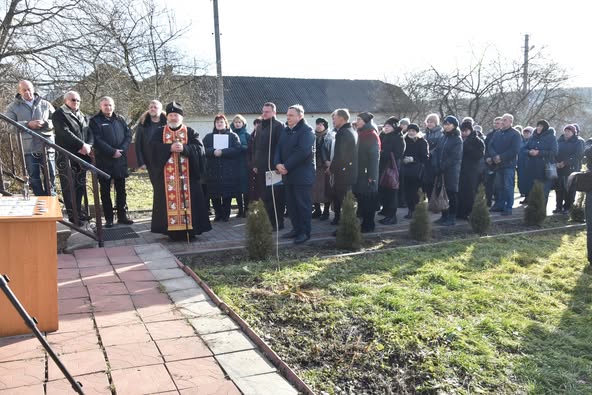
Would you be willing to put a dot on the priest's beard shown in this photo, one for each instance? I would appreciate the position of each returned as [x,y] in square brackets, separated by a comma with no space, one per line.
[174,125]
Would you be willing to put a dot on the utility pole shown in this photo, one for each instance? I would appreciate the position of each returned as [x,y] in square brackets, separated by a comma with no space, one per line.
[220,81]
[525,68]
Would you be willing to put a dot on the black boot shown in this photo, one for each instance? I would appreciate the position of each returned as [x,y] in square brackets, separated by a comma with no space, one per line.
[123,219]
[317,211]
[392,220]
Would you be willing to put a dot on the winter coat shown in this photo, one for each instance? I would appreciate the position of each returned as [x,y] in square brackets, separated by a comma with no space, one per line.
[244,138]
[570,151]
[21,112]
[71,131]
[296,151]
[391,143]
[433,137]
[473,151]
[144,132]
[223,173]
[521,168]
[368,159]
[506,144]
[344,165]
[448,155]
[323,143]
[262,153]
[418,150]
[546,143]
[111,134]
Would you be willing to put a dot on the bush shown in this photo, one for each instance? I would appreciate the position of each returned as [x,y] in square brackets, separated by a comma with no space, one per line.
[577,213]
[349,236]
[420,227]
[479,218]
[536,211]
[259,238]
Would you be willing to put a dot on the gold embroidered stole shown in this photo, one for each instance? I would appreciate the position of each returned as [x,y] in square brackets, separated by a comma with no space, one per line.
[176,182]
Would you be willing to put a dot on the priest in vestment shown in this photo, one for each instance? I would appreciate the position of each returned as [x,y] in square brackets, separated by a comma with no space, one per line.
[179,209]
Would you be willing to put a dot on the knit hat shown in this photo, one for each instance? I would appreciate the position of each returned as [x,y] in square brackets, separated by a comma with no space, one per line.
[405,121]
[575,125]
[572,128]
[413,126]
[366,116]
[468,119]
[451,119]
[528,129]
[478,129]
[323,121]
[544,124]
[466,125]
[174,107]
[394,122]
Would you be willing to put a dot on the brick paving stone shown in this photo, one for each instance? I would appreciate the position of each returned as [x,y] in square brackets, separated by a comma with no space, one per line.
[245,363]
[72,292]
[224,342]
[169,329]
[70,283]
[137,275]
[75,323]
[187,296]
[199,309]
[98,275]
[123,260]
[109,289]
[271,383]
[167,274]
[136,288]
[160,313]
[133,355]
[92,384]
[156,254]
[124,334]
[66,261]
[90,253]
[20,347]
[113,318]
[161,299]
[74,306]
[22,373]
[112,303]
[142,380]
[71,342]
[68,274]
[78,363]
[213,323]
[196,373]
[226,387]
[120,251]
[93,262]
[179,284]
[28,390]
[126,267]
[149,249]
[162,263]
[183,348]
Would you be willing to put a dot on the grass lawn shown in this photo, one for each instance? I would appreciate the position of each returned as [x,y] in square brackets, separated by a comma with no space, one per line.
[507,315]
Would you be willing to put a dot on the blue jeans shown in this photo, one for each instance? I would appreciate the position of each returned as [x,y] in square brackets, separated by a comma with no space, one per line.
[504,188]
[34,163]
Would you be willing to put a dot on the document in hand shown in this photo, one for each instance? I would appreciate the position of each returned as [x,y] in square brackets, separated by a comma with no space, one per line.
[272,178]
[221,141]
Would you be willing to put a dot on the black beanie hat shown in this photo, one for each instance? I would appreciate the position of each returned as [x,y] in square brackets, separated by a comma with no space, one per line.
[366,116]
[174,107]
[393,121]
[451,119]
[323,121]
[413,126]
[466,125]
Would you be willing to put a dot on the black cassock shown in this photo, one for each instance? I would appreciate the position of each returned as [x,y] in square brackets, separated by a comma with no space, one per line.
[194,151]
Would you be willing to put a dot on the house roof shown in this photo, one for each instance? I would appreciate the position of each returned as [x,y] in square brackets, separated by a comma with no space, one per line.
[247,94]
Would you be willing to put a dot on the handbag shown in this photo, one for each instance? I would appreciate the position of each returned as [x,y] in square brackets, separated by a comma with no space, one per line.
[390,176]
[550,171]
[580,181]
[439,200]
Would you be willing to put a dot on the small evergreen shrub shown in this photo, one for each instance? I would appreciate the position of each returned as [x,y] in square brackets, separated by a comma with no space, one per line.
[349,236]
[577,213]
[536,211]
[479,218]
[259,238]
[420,227]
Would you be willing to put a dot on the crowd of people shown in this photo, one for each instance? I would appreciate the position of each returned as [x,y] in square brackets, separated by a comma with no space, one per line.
[298,171]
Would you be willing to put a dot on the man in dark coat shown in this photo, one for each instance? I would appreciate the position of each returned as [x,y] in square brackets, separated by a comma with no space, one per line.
[149,123]
[72,134]
[502,154]
[265,142]
[344,160]
[179,208]
[112,139]
[473,151]
[295,161]
[448,156]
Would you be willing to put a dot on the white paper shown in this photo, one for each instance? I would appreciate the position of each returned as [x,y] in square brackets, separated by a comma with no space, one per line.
[220,141]
[272,178]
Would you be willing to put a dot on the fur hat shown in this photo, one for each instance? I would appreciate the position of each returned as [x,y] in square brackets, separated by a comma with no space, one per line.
[366,116]
[466,125]
[453,120]
[413,126]
[174,107]
[405,121]
[323,121]
[571,128]
[394,122]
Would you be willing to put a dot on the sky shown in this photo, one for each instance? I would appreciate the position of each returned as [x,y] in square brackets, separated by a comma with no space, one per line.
[381,39]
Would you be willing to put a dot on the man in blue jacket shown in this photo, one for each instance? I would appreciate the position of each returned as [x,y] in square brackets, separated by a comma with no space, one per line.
[502,153]
[295,161]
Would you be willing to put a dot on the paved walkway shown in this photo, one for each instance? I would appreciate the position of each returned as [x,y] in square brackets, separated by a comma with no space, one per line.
[132,322]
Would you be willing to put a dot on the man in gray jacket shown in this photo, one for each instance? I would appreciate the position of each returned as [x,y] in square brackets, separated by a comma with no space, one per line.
[33,112]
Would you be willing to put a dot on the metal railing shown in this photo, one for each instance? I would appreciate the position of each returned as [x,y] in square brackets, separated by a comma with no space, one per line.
[16,170]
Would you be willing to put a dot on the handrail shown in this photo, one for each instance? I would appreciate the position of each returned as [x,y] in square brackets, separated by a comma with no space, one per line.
[48,142]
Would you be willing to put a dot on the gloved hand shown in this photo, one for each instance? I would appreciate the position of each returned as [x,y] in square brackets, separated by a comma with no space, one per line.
[407,159]
[372,186]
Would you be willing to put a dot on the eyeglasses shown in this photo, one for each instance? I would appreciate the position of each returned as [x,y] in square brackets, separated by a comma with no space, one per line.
[76,100]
